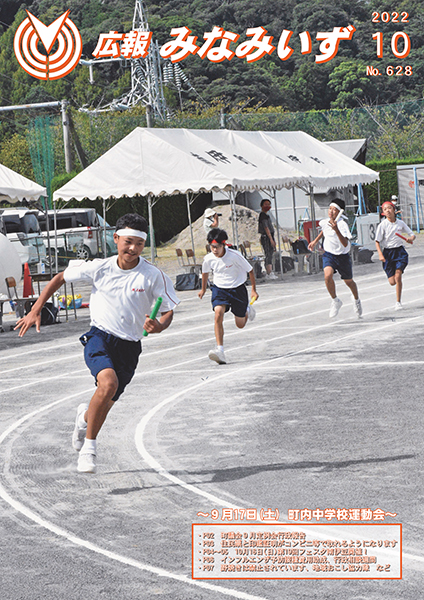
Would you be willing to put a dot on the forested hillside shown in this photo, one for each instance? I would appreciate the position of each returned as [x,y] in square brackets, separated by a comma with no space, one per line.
[333,100]
[296,84]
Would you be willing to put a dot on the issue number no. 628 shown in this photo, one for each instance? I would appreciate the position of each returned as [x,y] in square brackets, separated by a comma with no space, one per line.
[397,71]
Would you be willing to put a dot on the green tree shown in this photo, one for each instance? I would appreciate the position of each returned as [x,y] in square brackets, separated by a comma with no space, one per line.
[14,154]
[351,84]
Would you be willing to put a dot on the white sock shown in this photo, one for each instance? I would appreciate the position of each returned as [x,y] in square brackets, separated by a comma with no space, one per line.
[90,446]
[220,348]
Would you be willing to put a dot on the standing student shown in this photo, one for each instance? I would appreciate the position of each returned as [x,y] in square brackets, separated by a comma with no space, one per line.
[124,288]
[266,229]
[336,257]
[210,219]
[229,291]
[393,255]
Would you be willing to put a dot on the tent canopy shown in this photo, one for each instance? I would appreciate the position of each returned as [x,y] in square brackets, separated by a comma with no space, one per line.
[174,161]
[170,161]
[325,166]
[14,187]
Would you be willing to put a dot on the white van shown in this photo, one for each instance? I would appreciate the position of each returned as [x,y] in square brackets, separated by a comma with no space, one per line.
[79,233]
[21,227]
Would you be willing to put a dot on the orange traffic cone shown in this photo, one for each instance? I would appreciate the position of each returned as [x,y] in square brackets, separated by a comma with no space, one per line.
[28,289]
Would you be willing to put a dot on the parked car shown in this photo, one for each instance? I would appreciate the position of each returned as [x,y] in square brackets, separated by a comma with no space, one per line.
[21,227]
[110,230]
[78,233]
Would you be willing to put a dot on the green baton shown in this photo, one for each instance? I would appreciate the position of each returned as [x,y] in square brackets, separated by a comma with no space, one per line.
[154,313]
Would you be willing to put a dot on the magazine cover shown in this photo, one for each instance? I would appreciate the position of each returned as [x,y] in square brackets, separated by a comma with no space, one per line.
[211,268]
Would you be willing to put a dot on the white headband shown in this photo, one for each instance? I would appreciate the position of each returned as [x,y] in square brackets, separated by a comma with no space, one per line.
[129,232]
[334,205]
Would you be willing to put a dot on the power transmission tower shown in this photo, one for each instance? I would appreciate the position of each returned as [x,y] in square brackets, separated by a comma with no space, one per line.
[146,75]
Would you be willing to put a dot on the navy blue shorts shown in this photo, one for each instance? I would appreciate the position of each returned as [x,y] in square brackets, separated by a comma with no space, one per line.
[396,259]
[234,298]
[105,351]
[340,263]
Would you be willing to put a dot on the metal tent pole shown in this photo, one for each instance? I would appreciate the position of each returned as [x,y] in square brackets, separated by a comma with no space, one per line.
[274,193]
[151,232]
[104,229]
[234,220]
[294,209]
[315,258]
[191,226]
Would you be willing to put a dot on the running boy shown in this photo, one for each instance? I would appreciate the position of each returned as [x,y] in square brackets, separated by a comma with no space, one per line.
[393,256]
[124,288]
[229,291]
[336,256]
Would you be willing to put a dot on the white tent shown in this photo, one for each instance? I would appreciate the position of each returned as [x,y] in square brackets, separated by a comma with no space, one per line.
[15,187]
[156,162]
[171,161]
[325,166]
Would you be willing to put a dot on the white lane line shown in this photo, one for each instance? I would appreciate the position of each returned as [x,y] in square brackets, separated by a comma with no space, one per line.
[41,364]
[43,380]
[311,296]
[59,531]
[231,334]
[315,367]
[142,425]
[119,558]
[88,545]
[41,348]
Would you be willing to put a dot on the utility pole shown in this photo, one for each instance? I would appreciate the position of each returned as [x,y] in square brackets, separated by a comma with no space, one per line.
[66,137]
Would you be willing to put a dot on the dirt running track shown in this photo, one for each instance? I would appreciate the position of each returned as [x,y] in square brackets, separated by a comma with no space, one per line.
[307,413]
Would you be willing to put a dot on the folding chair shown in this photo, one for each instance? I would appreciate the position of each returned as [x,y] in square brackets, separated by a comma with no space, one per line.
[181,261]
[1,314]
[46,277]
[286,243]
[22,304]
[248,248]
[191,259]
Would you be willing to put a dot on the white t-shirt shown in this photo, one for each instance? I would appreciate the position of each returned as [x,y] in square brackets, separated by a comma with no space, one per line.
[386,233]
[332,243]
[207,223]
[229,271]
[120,299]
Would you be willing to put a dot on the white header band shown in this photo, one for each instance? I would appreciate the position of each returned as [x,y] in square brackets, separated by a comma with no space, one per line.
[132,232]
[334,205]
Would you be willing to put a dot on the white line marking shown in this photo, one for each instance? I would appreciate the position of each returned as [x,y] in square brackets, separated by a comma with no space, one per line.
[27,512]
[117,557]
[234,333]
[142,425]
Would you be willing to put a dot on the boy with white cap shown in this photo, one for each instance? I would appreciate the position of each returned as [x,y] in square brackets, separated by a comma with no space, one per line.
[336,234]
[210,220]
[124,288]
[393,255]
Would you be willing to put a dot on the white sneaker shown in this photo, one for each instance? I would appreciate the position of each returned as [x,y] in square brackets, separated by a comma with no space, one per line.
[251,313]
[357,307]
[78,436]
[218,356]
[271,276]
[398,306]
[86,463]
[336,305]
